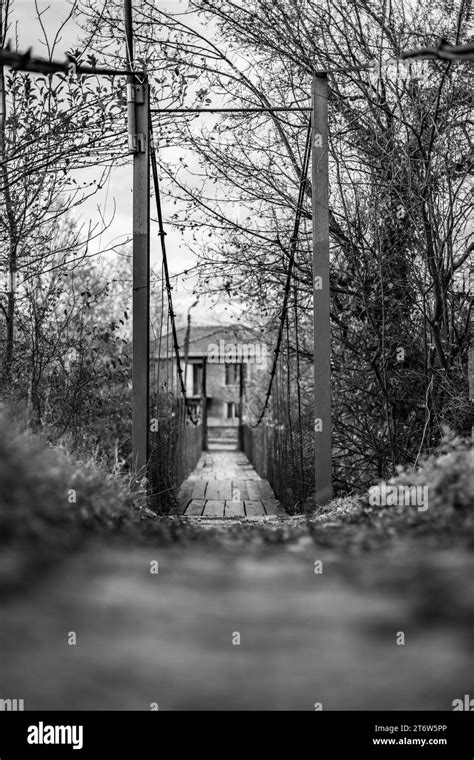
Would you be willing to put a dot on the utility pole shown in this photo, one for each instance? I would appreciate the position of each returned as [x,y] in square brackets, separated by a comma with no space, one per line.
[138,144]
[321,293]
[186,343]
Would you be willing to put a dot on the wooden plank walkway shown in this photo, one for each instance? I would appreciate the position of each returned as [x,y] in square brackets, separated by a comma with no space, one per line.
[224,484]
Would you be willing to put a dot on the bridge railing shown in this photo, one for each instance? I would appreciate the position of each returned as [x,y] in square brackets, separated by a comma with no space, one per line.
[283,455]
[175,448]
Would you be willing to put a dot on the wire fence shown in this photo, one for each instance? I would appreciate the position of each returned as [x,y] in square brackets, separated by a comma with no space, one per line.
[175,447]
[176,434]
[283,455]
[280,444]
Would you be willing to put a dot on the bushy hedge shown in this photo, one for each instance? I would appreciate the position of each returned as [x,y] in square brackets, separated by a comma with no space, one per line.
[448,475]
[49,502]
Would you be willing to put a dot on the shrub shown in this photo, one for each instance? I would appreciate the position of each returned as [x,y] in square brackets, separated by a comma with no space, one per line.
[49,502]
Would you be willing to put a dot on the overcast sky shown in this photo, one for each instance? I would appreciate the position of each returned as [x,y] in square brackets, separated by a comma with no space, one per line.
[118,191]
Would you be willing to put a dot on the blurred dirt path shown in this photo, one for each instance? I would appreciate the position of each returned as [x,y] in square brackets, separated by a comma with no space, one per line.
[170,638]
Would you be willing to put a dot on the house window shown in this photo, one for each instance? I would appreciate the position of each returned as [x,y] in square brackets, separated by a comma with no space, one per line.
[231,374]
[197,379]
[233,410]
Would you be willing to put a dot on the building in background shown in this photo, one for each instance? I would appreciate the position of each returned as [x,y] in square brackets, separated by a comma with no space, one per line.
[221,367]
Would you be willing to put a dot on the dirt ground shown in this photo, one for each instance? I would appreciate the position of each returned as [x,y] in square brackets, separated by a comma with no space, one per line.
[240,617]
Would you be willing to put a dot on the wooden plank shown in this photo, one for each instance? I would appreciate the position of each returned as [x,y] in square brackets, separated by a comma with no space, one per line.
[195,508]
[184,495]
[213,508]
[253,490]
[199,489]
[272,507]
[208,492]
[251,475]
[219,490]
[234,509]
[241,487]
[266,490]
[254,508]
[185,490]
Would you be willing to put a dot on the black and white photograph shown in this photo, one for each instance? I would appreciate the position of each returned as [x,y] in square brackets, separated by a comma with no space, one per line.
[237,366]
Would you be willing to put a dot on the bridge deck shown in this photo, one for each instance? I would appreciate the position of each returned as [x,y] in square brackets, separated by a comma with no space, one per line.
[224,484]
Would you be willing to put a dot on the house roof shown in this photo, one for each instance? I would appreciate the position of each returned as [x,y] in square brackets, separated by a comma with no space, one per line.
[201,336]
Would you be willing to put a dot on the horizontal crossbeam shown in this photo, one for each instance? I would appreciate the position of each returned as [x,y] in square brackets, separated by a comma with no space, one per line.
[228,110]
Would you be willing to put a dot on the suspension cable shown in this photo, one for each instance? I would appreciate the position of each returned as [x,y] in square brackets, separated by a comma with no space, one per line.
[293,242]
[162,235]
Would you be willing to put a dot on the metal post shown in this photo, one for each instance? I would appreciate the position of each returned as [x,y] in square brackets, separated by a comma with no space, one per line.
[10,217]
[141,283]
[471,346]
[204,404]
[322,344]
[138,142]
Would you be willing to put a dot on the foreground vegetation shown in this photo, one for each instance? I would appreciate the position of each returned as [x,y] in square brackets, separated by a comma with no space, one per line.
[51,504]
